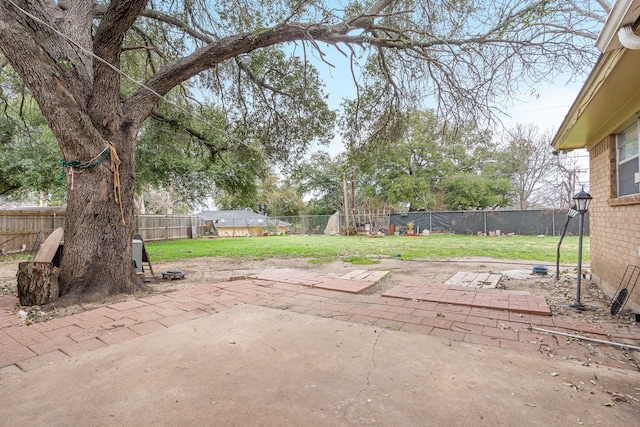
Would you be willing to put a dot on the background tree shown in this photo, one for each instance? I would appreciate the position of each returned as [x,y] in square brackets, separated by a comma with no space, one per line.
[29,155]
[529,161]
[406,172]
[189,164]
[283,200]
[271,196]
[416,170]
[251,56]
[21,162]
[567,175]
[469,191]
[320,181]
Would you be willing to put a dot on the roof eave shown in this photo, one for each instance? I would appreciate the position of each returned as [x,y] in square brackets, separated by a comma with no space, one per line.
[623,13]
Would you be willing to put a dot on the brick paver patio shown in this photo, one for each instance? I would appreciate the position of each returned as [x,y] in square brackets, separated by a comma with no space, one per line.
[471,317]
[495,299]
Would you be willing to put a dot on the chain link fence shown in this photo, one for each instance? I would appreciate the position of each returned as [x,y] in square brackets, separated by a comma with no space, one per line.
[548,222]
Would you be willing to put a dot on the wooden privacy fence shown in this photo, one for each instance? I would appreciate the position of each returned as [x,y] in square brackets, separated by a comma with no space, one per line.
[168,227]
[20,229]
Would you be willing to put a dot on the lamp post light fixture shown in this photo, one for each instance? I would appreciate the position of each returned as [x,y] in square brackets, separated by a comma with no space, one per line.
[583,200]
[571,213]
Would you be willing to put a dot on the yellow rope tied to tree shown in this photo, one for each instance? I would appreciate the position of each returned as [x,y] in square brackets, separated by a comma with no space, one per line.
[115,164]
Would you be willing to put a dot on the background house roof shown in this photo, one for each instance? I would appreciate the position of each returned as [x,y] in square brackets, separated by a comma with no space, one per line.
[241,218]
[610,97]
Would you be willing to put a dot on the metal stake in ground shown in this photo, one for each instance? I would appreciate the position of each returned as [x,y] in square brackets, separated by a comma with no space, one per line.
[571,212]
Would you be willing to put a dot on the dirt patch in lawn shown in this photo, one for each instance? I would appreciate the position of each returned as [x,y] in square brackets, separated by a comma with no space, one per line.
[516,275]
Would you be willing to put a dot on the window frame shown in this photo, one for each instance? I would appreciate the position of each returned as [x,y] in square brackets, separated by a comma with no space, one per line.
[635,157]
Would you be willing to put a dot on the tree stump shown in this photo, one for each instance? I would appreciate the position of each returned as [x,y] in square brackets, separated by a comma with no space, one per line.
[37,283]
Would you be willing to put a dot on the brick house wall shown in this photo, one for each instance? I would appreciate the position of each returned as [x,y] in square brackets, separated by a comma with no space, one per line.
[614,224]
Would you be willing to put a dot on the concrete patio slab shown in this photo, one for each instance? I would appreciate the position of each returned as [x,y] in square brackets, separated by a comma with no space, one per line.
[499,326]
[259,366]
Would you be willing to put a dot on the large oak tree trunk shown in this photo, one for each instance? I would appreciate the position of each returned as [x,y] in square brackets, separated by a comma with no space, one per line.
[80,99]
[97,258]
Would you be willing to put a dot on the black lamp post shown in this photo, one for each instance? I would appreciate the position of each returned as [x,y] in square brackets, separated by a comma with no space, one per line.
[583,200]
[571,213]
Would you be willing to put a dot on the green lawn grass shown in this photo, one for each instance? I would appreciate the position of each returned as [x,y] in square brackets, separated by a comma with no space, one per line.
[363,250]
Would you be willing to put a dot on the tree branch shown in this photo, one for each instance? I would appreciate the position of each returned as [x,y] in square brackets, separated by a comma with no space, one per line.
[118,18]
[214,150]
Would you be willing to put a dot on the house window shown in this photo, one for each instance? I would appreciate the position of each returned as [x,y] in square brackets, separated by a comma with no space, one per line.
[628,160]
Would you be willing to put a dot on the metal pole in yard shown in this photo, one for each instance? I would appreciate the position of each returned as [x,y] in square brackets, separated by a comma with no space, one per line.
[484,216]
[582,199]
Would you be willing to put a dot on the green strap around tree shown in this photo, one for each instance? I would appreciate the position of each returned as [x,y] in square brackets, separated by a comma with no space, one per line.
[75,164]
